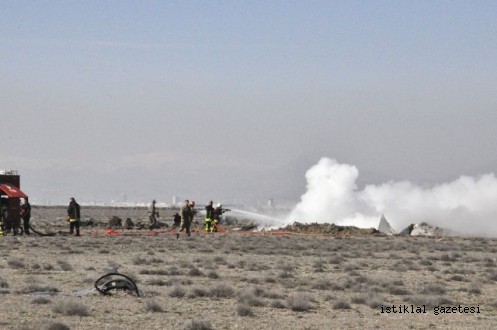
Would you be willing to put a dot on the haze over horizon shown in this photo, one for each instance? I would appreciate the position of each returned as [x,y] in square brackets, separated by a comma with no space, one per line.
[235,101]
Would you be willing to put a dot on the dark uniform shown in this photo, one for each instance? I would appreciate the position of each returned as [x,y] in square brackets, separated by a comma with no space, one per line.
[209,210]
[186,218]
[3,228]
[176,220]
[216,217]
[152,213]
[73,215]
[26,215]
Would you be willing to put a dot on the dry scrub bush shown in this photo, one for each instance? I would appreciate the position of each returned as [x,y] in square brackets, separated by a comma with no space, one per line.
[213,275]
[219,260]
[322,284]
[473,288]
[71,308]
[222,291]
[250,297]
[138,261]
[398,291]
[41,301]
[432,288]
[58,326]
[371,299]
[195,272]
[272,295]
[32,288]
[64,265]
[458,278]
[184,281]
[269,279]
[3,283]
[177,292]
[197,292]
[48,267]
[299,302]
[153,306]
[154,272]
[278,304]
[158,282]
[492,276]
[430,301]
[16,264]
[341,304]
[199,325]
[244,310]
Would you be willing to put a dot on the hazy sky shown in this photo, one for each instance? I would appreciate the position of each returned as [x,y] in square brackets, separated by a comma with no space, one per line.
[234,100]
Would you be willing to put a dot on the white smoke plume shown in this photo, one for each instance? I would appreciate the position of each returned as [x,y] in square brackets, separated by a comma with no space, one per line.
[467,205]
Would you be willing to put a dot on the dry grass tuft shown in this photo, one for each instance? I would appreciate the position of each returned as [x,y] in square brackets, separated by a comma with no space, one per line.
[244,310]
[64,265]
[199,325]
[341,304]
[58,326]
[299,302]
[177,292]
[71,308]
[154,307]
[3,283]
[197,292]
[41,301]
[222,291]
[16,264]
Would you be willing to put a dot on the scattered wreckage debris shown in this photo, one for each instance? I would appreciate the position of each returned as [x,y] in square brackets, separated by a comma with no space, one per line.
[384,227]
[115,222]
[128,224]
[421,229]
[425,229]
[118,282]
[407,231]
[329,229]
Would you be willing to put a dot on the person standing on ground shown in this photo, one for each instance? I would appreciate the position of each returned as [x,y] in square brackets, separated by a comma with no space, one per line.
[152,213]
[176,220]
[208,217]
[73,216]
[186,217]
[26,215]
[3,220]
[193,213]
[216,217]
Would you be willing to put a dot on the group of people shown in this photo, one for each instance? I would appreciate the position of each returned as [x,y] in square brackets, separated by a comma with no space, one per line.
[15,225]
[183,220]
[187,213]
[213,217]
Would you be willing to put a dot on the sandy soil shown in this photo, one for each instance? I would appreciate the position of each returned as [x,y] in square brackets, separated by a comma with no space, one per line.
[236,280]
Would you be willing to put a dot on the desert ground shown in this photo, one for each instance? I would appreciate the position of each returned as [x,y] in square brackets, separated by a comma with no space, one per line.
[241,279]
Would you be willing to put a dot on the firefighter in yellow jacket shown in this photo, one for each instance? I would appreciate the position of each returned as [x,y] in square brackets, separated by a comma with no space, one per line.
[209,210]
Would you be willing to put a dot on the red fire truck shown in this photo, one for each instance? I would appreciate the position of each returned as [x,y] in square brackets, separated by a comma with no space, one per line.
[10,200]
